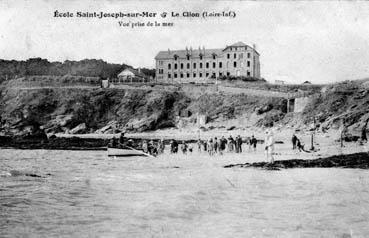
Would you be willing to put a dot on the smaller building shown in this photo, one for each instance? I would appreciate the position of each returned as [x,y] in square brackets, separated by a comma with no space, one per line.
[130,75]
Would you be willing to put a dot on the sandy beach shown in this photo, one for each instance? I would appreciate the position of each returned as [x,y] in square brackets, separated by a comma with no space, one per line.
[325,144]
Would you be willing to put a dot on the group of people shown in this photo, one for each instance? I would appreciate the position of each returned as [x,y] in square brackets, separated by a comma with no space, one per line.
[221,145]
[212,146]
[153,148]
[184,147]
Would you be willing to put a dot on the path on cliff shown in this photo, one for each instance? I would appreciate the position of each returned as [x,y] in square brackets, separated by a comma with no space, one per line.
[171,88]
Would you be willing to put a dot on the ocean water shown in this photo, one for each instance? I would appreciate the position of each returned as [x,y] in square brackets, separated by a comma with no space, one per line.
[88,194]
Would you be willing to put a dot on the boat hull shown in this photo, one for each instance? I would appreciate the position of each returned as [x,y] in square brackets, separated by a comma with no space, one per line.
[123,152]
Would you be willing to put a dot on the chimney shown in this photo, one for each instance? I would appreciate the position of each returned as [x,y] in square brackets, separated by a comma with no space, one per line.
[254,46]
[139,70]
[191,50]
[168,51]
[203,48]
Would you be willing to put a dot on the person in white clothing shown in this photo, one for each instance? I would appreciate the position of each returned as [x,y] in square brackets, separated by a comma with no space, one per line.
[269,146]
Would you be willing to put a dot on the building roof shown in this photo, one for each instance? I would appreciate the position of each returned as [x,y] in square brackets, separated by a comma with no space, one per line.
[182,54]
[240,43]
[134,71]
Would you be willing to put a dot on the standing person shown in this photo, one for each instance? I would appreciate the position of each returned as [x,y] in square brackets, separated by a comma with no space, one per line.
[239,144]
[161,146]
[145,146]
[230,144]
[210,147]
[199,144]
[236,145]
[153,150]
[174,147]
[253,142]
[205,144]
[249,142]
[122,140]
[223,145]
[363,132]
[269,146]
[294,141]
[216,145]
[184,148]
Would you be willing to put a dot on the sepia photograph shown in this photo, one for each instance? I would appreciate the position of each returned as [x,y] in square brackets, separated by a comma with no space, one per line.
[164,118]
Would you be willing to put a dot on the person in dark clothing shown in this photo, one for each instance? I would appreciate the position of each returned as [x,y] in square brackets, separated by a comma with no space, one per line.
[222,145]
[300,146]
[294,141]
[174,147]
[216,145]
[205,144]
[122,139]
[238,144]
[230,144]
[253,142]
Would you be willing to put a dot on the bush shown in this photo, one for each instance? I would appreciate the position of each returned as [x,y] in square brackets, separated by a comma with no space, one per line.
[241,78]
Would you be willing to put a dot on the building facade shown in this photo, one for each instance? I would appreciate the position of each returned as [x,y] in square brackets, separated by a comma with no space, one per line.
[205,65]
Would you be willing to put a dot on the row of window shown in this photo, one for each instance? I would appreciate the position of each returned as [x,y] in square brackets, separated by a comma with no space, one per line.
[194,75]
[207,65]
[240,56]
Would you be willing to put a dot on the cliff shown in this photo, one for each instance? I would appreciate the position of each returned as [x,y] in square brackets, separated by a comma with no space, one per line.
[88,110]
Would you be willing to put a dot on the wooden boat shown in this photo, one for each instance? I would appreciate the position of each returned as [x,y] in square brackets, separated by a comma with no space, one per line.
[126,152]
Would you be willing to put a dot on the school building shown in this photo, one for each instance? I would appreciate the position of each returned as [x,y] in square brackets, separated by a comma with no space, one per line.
[205,65]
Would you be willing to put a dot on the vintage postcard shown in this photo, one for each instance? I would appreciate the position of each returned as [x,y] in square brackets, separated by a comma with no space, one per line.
[163,118]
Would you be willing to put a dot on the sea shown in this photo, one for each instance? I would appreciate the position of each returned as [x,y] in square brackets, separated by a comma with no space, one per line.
[88,194]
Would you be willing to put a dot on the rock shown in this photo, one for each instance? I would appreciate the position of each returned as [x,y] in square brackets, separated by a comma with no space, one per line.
[356,160]
[142,124]
[81,128]
[108,128]
[264,109]
[231,128]
[56,125]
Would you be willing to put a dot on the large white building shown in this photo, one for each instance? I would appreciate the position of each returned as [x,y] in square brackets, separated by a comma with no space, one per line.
[202,65]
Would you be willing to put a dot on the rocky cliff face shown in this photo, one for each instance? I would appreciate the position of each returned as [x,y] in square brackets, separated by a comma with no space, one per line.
[87,110]
[78,110]
[346,102]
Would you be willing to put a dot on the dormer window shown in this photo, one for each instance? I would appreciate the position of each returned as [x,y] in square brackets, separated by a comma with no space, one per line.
[214,56]
[188,57]
[175,57]
[200,56]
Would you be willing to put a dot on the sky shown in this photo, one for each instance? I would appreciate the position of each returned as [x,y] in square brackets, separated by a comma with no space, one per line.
[298,41]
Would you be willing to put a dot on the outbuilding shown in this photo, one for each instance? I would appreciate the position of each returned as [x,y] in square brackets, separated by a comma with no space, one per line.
[132,75]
